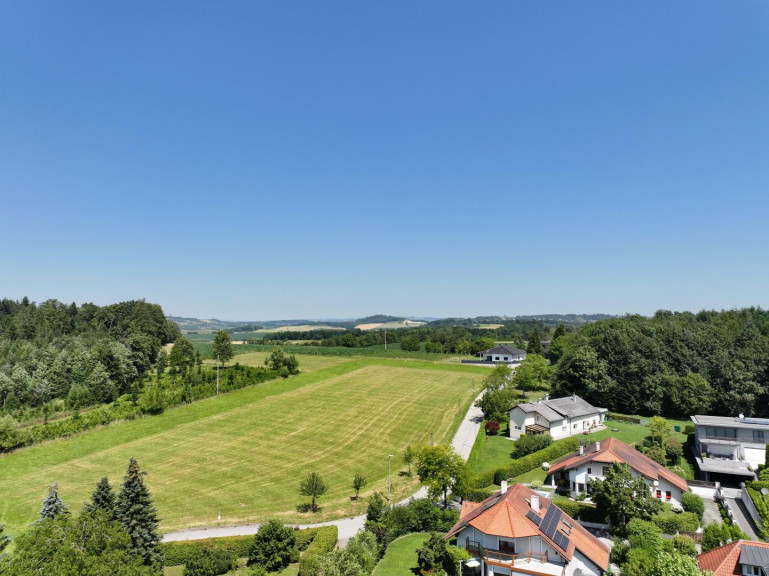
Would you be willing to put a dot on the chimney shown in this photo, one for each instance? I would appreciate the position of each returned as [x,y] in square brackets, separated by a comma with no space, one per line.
[531,401]
[503,487]
[581,450]
[535,502]
[574,398]
[741,416]
[597,446]
[547,397]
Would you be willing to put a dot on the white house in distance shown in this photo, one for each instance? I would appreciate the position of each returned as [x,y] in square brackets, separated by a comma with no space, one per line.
[503,354]
[594,460]
[733,446]
[517,532]
[560,417]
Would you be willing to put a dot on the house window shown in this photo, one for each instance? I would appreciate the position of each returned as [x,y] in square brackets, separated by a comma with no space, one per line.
[659,493]
[517,427]
[715,432]
[573,486]
[605,470]
[668,495]
[507,547]
[576,425]
[589,470]
[496,357]
[751,570]
[758,435]
[580,487]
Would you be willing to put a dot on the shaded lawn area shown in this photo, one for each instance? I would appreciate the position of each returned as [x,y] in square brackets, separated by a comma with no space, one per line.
[492,452]
[401,556]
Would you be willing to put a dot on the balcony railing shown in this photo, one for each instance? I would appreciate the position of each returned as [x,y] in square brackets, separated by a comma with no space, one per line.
[504,559]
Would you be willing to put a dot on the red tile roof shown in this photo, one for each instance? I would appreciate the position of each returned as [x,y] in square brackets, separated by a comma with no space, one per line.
[613,450]
[725,561]
[505,515]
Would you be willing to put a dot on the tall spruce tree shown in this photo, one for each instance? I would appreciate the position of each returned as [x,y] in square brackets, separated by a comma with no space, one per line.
[137,513]
[52,504]
[103,498]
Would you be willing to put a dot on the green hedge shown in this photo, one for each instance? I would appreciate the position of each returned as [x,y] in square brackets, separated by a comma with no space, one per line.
[478,494]
[754,491]
[323,543]
[522,465]
[179,553]
[684,522]
[622,418]
[305,537]
[582,510]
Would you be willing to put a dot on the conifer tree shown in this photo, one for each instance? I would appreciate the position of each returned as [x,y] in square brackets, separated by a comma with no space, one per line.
[137,513]
[103,498]
[52,504]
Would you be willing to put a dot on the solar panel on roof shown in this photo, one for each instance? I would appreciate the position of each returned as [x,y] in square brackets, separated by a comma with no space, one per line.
[550,521]
[531,515]
[763,421]
[561,541]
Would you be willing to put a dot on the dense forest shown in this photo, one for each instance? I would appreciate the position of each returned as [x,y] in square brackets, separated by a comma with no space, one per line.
[58,351]
[676,364]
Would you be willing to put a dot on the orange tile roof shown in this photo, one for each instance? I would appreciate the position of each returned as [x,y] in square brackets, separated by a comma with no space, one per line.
[725,561]
[505,515]
[613,450]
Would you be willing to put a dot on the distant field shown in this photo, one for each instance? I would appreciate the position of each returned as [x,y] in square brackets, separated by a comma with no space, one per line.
[244,452]
[490,326]
[390,325]
[304,328]
[306,363]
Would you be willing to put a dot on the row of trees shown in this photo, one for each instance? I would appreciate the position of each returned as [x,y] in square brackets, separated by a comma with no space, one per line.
[670,364]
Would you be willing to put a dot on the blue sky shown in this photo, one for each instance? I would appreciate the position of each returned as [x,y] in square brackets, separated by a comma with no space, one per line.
[285,159]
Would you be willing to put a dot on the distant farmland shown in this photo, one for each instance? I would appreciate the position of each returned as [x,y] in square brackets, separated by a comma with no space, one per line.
[244,452]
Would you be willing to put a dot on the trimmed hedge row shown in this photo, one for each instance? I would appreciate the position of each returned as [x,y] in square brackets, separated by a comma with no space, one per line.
[582,510]
[179,553]
[623,418]
[683,522]
[323,543]
[522,465]
[305,537]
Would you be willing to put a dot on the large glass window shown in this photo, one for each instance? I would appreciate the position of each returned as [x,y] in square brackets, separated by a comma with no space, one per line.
[715,432]
[758,435]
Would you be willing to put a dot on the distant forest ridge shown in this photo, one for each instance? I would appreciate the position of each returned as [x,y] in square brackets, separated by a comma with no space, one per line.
[197,324]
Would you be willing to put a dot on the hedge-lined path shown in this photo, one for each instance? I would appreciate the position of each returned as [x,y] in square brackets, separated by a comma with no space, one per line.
[348,527]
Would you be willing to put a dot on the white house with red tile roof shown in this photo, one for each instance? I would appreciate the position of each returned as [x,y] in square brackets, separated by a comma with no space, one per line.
[594,460]
[518,532]
[741,558]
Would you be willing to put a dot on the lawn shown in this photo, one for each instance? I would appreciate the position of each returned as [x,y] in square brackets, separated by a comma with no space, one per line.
[244,452]
[307,363]
[401,556]
[492,452]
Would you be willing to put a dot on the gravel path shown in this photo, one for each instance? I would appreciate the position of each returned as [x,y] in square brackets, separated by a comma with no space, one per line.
[348,527]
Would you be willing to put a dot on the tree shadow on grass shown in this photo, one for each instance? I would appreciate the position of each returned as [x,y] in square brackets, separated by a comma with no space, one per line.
[307,508]
[403,473]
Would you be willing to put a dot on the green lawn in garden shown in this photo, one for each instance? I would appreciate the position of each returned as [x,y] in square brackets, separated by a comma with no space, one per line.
[401,556]
[243,453]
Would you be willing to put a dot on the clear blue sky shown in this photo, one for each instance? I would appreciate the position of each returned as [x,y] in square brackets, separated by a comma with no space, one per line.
[286,159]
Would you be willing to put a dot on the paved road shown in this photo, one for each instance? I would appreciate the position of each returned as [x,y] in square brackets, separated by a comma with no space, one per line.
[348,527]
[742,518]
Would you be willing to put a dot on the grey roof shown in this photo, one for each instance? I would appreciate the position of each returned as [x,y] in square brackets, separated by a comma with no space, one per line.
[732,422]
[754,556]
[724,466]
[504,350]
[560,408]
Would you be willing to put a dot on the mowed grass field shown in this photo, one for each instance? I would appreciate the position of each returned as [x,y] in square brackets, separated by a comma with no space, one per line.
[307,363]
[245,452]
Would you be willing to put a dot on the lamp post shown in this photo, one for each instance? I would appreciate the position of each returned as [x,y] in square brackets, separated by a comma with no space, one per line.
[389,481]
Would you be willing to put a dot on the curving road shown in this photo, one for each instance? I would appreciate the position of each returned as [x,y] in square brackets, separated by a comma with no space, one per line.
[348,527]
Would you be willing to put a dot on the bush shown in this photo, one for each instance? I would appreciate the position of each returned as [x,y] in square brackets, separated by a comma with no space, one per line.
[210,562]
[526,444]
[693,503]
[586,512]
[324,542]
[305,537]
[180,553]
[622,418]
[272,546]
[689,429]
[684,522]
[478,494]
[492,427]
[684,545]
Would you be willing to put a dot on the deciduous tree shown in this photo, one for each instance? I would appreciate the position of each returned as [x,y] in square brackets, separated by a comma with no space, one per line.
[272,546]
[223,346]
[358,482]
[623,496]
[313,486]
[532,374]
[439,468]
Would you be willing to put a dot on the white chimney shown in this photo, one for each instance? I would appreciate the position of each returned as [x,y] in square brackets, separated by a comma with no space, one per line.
[535,502]
[597,446]
[503,487]
[742,416]
[581,450]
[574,398]
[547,397]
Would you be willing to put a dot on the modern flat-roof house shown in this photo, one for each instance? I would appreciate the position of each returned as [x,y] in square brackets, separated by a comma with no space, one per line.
[559,417]
[517,531]
[729,447]
[594,460]
[741,558]
[503,354]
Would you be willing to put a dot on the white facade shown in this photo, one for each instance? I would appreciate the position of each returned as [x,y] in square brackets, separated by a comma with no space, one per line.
[530,553]
[732,438]
[579,477]
[557,428]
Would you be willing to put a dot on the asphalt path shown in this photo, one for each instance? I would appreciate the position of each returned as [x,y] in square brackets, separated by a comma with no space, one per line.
[348,527]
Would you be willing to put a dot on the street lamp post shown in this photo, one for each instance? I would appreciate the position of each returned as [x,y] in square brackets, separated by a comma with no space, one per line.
[389,480]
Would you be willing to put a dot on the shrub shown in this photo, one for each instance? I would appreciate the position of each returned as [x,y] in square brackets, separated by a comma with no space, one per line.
[324,542]
[689,429]
[684,545]
[305,537]
[210,562]
[272,546]
[685,522]
[492,427]
[693,503]
[526,444]
[180,553]
[478,494]
[586,512]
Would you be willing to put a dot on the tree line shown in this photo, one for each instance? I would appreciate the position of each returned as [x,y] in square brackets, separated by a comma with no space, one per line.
[674,363]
